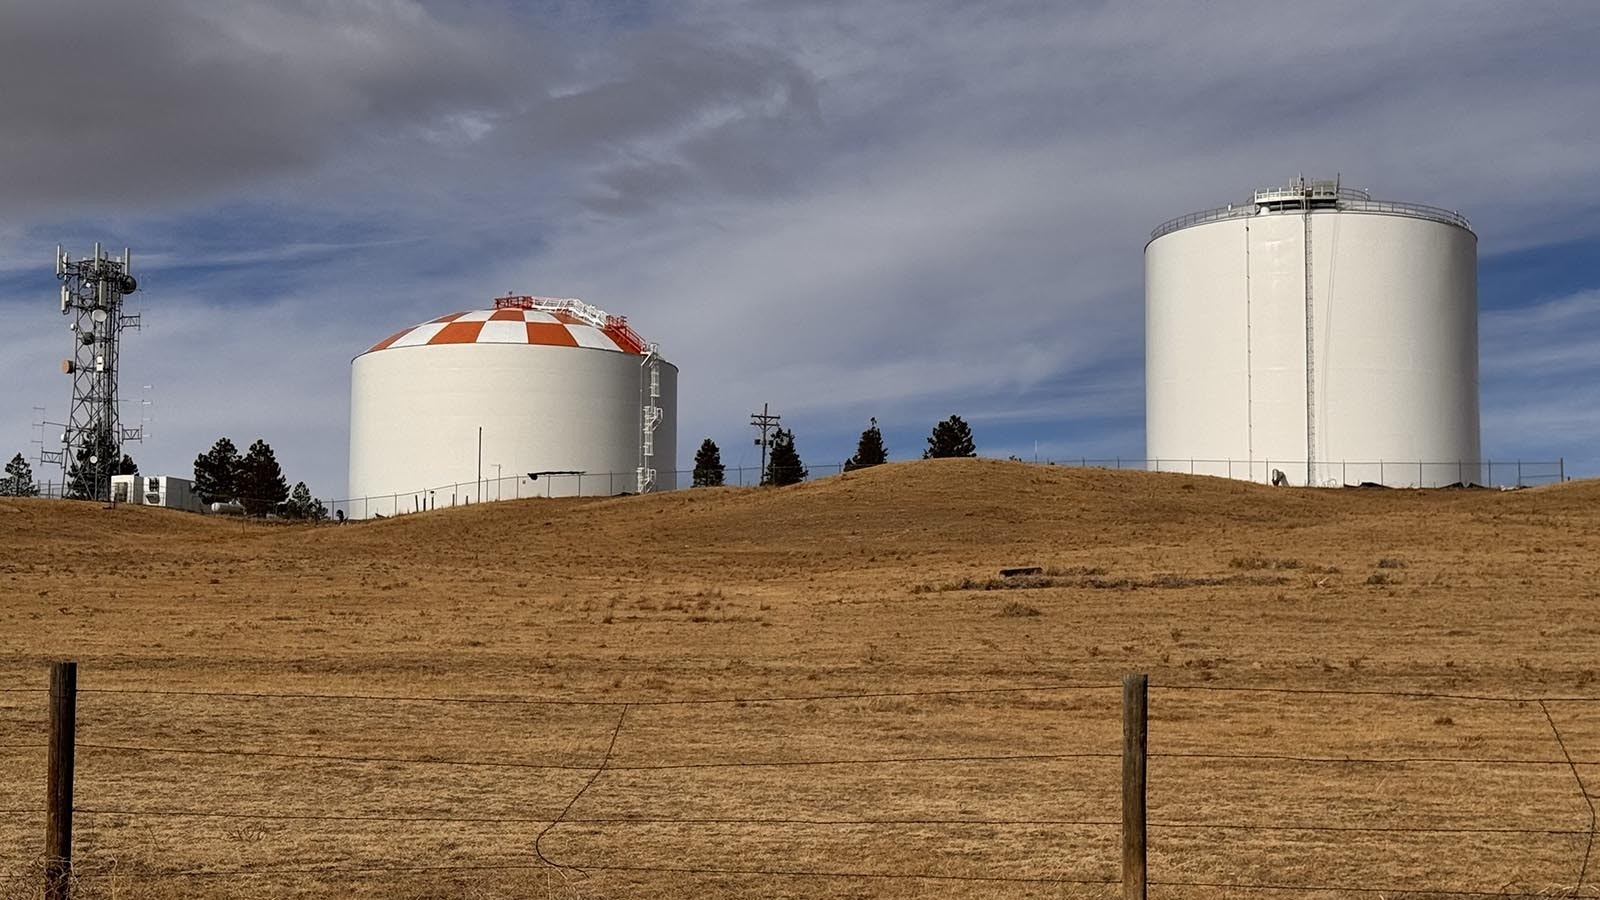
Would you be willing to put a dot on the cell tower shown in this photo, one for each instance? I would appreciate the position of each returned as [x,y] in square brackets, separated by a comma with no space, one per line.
[91,293]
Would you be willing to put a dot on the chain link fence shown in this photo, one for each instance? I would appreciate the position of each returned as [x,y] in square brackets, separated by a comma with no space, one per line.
[1353,473]
[1504,474]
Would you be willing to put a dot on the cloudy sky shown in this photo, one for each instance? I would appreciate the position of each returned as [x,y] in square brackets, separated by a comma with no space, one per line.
[844,209]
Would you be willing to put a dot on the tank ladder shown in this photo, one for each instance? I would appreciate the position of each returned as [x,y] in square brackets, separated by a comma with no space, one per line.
[650,419]
[1311,360]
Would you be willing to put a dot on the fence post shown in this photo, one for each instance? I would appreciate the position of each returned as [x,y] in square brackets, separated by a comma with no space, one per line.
[1135,743]
[58,781]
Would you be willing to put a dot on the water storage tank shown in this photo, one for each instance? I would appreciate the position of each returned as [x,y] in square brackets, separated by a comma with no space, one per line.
[1314,331]
[557,387]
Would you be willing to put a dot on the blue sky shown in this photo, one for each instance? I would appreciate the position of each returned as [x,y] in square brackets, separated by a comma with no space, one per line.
[900,210]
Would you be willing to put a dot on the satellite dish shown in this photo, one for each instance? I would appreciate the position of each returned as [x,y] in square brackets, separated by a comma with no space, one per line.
[98,316]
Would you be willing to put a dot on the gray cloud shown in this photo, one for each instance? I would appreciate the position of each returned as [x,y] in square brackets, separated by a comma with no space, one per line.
[127,106]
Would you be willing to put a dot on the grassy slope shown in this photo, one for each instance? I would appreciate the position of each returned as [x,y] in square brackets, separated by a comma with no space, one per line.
[843,585]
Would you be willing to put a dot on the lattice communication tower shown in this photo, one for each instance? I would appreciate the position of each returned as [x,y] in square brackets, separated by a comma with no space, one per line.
[91,294]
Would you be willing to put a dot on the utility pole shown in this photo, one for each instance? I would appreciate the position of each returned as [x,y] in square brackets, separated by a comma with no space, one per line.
[766,422]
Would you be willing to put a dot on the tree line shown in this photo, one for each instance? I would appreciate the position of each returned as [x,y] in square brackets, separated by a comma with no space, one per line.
[950,438]
[88,477]
[253,480]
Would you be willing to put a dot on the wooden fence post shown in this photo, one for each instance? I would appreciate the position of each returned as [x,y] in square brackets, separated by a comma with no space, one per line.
[58,781]
[1135,744]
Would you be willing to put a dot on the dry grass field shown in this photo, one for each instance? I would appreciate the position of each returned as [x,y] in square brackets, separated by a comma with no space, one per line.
[878,582]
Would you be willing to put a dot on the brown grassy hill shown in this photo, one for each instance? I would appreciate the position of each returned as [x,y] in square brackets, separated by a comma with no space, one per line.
[880,580]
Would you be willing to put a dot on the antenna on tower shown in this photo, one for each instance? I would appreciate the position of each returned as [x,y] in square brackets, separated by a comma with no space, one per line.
[91,294]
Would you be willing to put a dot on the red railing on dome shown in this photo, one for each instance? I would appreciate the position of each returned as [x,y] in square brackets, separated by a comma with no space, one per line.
[614,327]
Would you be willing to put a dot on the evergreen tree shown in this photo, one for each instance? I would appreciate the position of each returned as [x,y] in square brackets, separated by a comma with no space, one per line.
[783,463]
[260,484]
[216,472]
[301,505]
[708,468]
[950,438]
[89,476]
[870,450]
[19,479]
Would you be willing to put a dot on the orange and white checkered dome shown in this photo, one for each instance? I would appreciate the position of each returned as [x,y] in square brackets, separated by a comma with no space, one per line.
[511,325]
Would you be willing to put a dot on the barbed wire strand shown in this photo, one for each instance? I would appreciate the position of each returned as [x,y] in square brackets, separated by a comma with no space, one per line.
[591,820]
[1370,692]
[812,873]
[493,764]
[508,867]
[1368,760]
[798,821]
[1342,889]
[1374,829]
[330,757]
[1583,870]
[553,701]
[538,842]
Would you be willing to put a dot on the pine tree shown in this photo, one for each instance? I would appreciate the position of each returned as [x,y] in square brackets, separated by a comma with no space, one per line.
[19,479]
[783,464]
[950,438]
[260,484]
[301,505]
[870,450]
[708,468]
[216,472]
[89,476]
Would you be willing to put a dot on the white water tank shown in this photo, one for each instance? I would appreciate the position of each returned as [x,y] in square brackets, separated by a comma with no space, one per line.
[1318,332]
[558,388]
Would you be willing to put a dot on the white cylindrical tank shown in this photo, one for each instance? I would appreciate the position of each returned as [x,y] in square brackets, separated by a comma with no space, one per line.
[1315,332]
[536,397]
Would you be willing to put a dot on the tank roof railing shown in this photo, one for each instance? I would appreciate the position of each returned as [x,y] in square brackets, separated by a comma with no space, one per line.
[616,327]
[1350,200]
[578,309]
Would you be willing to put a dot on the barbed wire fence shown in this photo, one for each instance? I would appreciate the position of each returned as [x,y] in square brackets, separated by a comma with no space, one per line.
[1209,867]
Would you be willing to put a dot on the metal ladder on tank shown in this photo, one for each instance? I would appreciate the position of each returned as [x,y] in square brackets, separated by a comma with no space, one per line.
[650,419]
[1311,369]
